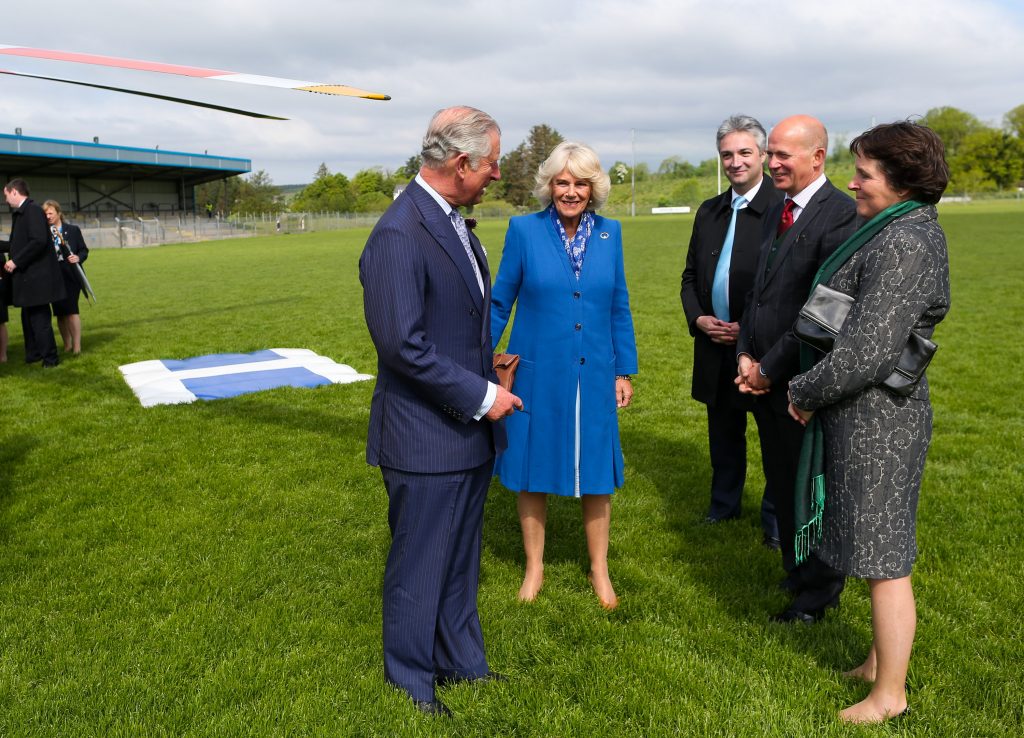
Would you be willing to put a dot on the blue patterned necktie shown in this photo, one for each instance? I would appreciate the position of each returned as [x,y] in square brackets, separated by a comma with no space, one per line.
[720,287]
[460,227]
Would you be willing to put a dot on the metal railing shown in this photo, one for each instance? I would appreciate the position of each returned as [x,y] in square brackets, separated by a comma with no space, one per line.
[140,232]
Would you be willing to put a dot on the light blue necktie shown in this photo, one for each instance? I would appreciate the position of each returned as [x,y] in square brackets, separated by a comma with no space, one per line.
[720,287]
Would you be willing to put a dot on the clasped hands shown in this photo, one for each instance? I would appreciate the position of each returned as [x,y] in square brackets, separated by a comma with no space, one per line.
[719,331]
[751,382]
[749,379]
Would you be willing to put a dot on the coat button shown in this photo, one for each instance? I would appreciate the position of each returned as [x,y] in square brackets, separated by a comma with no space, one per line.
[579,326]
[582,360]
[576,295]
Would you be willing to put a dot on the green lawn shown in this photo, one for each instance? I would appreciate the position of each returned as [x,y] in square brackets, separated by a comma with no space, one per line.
[215,569]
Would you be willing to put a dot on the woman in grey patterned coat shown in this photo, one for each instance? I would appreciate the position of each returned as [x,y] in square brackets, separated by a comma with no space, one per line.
[876,441]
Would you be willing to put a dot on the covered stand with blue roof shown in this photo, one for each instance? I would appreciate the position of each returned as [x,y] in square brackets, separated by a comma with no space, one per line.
[102,180]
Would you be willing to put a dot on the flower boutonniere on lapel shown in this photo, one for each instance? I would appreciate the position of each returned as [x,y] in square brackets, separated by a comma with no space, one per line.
[470,225]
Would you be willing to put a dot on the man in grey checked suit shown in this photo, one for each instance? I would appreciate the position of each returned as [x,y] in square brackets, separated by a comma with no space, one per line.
[801,232]
[436,409]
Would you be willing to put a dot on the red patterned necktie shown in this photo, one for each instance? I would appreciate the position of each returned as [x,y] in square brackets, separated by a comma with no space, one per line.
[787,218]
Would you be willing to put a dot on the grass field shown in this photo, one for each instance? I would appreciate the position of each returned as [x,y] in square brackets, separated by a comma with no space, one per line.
[215,569]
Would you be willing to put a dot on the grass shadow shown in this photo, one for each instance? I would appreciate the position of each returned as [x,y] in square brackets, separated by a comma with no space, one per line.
[13,450]
[726,562]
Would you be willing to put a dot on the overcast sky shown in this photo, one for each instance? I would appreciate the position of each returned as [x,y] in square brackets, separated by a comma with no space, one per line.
[594,70]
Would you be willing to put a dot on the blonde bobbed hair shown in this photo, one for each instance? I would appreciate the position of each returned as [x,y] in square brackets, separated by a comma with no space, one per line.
[56,206]
[582,162]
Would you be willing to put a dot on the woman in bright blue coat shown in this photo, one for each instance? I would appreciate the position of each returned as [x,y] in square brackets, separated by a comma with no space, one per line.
[563,269]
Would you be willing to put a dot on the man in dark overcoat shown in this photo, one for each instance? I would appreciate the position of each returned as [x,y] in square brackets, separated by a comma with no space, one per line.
[35,273]
[720,264]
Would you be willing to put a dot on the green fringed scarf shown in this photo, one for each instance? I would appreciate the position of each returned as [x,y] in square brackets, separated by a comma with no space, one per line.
[809,495]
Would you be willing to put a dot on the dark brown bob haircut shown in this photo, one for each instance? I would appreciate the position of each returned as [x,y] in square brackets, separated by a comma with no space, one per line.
[910,155]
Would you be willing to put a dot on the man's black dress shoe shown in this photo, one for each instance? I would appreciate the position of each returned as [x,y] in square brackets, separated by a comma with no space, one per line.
[772,542]
[491,676]
[798,616]
[432,707]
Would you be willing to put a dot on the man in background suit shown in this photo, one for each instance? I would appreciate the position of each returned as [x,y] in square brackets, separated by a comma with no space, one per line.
[433,418]
[720,263]
[802,231]
[35,274]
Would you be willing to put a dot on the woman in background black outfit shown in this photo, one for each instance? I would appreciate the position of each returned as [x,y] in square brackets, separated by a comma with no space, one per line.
[71,250]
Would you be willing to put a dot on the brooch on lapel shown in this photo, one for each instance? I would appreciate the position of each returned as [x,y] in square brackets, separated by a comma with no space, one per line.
[604,234]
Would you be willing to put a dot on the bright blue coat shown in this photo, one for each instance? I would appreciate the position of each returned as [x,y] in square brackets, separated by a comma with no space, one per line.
[569,333]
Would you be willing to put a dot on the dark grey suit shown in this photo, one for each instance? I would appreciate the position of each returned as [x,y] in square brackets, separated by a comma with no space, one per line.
[714,365]
[781,285]
[431,328]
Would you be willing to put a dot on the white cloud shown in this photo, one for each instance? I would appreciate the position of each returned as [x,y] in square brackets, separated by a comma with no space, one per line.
[593,70]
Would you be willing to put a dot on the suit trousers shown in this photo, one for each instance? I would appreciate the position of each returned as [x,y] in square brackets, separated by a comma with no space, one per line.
[37,325]
[727,441]
[817,585]
[431,624]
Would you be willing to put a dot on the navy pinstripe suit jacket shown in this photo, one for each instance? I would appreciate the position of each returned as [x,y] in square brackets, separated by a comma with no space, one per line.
[431,328]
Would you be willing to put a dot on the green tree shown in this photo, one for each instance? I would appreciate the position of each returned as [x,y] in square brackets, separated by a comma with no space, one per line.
[997,155]
[257,194]
[372,202]
[619,172]
[519,166]
[1014,121]
[708,167]
[372,180]
[327,192]
[675,167]
[410,168]
[840,151]
[953,126]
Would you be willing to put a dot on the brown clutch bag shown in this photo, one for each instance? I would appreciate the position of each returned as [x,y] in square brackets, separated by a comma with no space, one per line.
[505,367]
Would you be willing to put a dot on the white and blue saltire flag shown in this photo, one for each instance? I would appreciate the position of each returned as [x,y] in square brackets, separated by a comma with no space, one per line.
[211,377]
